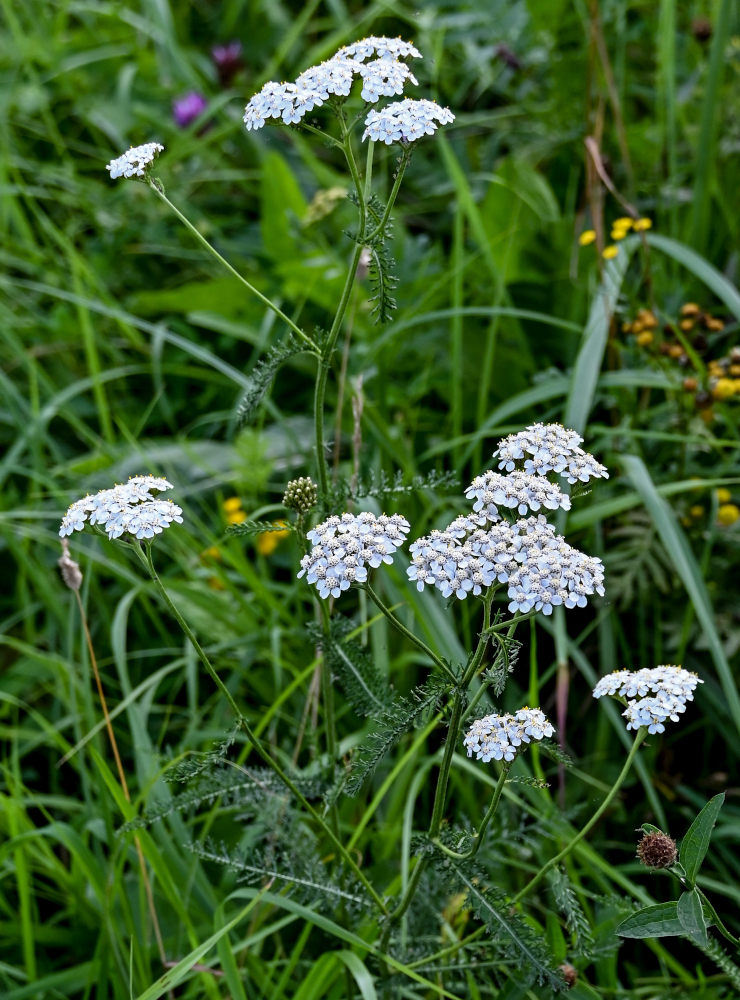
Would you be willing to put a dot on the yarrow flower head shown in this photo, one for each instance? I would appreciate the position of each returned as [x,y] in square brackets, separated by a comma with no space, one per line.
[662,693]
[499,737]
[384,76]
[128,508]
[544,448]
[344,547]
[135,161]
[286,101]
[666,679]
[406,121]
[383,48]
[541,570]
[517,491]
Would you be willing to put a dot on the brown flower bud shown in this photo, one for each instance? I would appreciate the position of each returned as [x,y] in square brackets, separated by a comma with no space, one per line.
[701,29]
[570,975]
[70,570]
[657,850]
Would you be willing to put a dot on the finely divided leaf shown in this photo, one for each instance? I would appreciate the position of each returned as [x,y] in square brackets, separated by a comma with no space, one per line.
[493,909]
[354,668]
[261,378]
[392,724]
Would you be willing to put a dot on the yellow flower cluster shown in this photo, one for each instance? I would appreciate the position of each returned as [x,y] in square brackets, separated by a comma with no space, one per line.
[728,513]
[621,227]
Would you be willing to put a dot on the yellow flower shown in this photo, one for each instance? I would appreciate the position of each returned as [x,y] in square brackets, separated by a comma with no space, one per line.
[610,252]
[618,234]
[728,513]
[640,225]
[724,388]
[234,511]
[723,495]
[644,339]
[624,222]
[587,237]
[697,510]
[268,541]
[214,552]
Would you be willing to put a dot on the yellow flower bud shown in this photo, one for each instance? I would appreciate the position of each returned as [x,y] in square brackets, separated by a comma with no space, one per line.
[587,237]
[610,252]
[640,225]
[728,513]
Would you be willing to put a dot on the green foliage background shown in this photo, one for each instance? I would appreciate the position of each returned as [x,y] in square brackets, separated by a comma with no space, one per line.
[125,350]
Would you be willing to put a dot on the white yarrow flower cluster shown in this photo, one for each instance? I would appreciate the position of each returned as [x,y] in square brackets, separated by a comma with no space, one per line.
[547,448]
[135,161]
[550,572]
[499,737]
[541,570]
[344,547]
[127,508]
[662,693]
[383,48]
[384,76]
[406,121]
[517,491]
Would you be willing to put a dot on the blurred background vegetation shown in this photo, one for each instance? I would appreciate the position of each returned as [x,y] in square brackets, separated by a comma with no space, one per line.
[125,350]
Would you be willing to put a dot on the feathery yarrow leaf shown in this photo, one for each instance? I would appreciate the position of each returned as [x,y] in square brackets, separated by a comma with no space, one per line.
[391,725]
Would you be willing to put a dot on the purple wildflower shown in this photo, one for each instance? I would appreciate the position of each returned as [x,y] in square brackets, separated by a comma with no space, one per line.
[187,108]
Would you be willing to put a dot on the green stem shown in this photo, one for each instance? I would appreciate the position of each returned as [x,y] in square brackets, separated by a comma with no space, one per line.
[327,696]
[222,260]
[408,634]
[331,340]
[641,734]
[146,559]
[474,665]
[478,839]
[440,794]
[491,810]
[715,917]
[405,157]
[437,810]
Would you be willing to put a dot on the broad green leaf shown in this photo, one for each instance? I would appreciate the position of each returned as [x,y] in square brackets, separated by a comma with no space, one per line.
[585,374]
[660,920]
[695,844]
[691,916]
[283,206]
